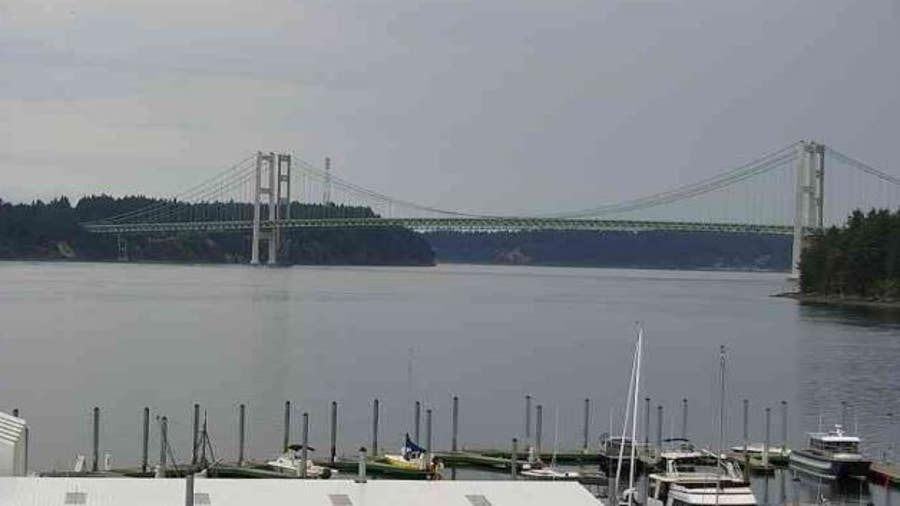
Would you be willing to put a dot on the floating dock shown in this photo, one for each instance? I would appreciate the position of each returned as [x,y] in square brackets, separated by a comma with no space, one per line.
[885,473]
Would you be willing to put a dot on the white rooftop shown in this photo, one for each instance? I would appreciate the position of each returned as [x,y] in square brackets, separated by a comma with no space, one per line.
[233,492]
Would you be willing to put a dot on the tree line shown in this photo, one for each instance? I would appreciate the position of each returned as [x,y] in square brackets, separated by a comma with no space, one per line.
[52,230]
[860,259]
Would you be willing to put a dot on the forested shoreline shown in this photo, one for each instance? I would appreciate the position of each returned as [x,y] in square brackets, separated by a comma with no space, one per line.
[649,249]
[52,231]
[859,260]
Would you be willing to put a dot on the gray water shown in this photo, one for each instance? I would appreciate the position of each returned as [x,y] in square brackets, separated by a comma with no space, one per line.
[124,336]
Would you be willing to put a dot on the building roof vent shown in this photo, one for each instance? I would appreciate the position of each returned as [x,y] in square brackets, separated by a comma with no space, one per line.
[478,500]
[75,498]
[340,500]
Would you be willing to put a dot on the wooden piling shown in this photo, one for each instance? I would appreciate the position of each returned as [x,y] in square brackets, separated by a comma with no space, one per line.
[646,423]
[361,470]
[163,443]
[242,428]
[746,439]
[428,442]
[659,425]
[587,423]
[145,440]
[287,426]
[375,428]
[304,452]
[514,459]
[455,440]
[95,460]
[527,419]
[417,421]
[196,435]
[334,414]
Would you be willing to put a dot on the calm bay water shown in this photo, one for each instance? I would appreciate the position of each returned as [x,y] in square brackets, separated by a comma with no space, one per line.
[126,336]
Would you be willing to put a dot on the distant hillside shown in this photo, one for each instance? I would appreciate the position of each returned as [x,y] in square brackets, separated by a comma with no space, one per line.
[669,250]
[50,231]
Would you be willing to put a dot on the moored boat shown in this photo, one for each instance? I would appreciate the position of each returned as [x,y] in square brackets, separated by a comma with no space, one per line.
[831,455]
[413,457]
[291,462]
[699,478]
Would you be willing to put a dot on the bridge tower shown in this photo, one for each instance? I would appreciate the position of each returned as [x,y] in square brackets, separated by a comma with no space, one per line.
[809,202]
[326,188]
[272,179]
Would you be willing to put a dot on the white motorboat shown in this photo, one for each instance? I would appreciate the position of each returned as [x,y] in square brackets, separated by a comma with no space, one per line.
[291,462]
[701,478]
[831,455]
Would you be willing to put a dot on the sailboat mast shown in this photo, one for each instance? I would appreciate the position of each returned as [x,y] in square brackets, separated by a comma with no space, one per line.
[634,404]
[628,398]
[721,422]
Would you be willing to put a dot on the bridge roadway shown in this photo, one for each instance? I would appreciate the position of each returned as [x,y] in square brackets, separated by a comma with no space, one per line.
[465,224]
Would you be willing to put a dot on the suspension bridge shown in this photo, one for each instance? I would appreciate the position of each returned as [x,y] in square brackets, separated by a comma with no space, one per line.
[783,192]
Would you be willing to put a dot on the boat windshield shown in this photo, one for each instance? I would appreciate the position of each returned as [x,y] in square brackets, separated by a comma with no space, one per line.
[699,464]
[835,446]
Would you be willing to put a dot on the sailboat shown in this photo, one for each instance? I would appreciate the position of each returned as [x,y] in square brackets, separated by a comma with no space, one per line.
[535,469]
[628,495]
[412,457]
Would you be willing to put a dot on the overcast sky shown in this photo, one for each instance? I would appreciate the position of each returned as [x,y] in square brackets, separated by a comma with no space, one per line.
[482,105]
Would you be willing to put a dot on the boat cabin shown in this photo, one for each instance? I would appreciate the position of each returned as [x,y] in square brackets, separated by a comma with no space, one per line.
[835,441]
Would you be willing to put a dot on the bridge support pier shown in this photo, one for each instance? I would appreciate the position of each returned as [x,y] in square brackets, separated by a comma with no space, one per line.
[809,198]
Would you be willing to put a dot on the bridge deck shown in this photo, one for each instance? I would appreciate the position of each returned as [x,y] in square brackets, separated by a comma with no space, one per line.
[436,224]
